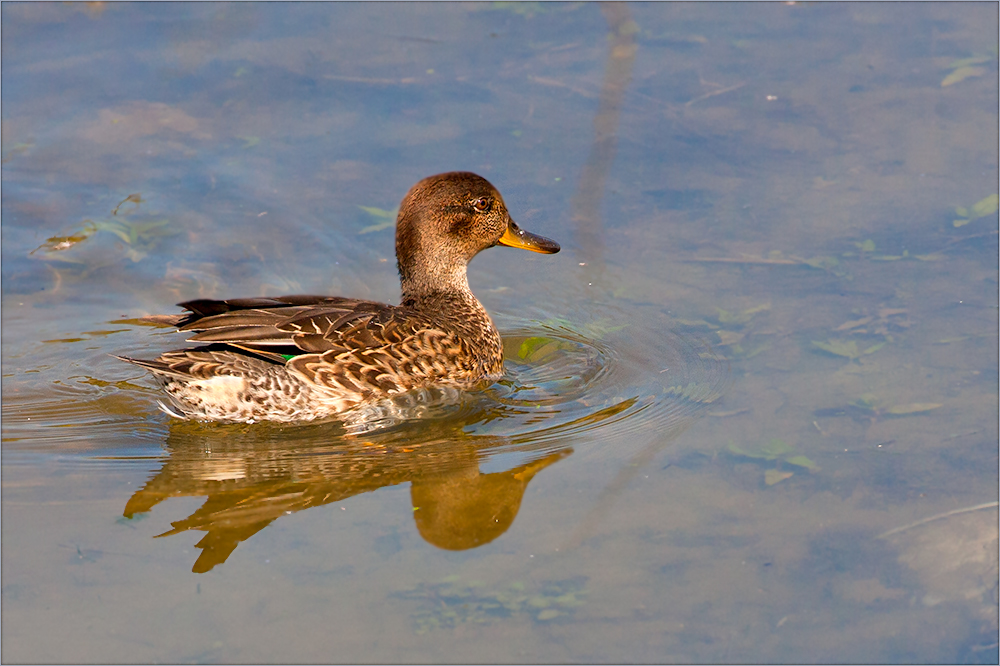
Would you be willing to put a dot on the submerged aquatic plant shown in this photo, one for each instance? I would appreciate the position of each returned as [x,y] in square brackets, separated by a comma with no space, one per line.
[869,408]
[139,236]
[966,68]
[846,348]
[778,451]
[384,219]
[450,602]
[982,208]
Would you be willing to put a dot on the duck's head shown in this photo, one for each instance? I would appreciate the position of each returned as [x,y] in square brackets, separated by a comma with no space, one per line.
[446,220]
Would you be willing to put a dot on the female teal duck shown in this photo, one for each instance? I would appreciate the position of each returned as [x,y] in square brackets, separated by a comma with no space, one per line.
[298,358]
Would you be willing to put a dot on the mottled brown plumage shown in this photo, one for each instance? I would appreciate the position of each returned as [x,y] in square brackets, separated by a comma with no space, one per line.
[296,358]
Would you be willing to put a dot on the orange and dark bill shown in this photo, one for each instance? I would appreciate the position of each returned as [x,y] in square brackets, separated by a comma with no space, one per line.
[517,237]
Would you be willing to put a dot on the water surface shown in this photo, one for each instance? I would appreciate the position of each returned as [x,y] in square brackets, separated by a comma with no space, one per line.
[750,411]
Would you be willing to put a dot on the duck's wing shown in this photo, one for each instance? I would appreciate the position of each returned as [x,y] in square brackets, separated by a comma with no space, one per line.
[286,326]
[345,346]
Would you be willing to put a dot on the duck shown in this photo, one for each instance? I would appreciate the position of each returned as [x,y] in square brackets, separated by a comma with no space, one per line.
[304,357]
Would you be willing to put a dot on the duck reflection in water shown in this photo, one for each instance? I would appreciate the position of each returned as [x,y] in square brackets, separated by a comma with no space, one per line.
[253,476]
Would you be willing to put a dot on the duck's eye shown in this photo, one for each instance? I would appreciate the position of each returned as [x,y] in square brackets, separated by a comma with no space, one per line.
[482,204]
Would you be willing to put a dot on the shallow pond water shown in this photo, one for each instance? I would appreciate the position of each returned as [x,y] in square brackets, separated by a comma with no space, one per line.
[750,410]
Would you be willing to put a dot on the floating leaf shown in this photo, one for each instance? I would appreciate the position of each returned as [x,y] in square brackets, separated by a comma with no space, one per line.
[912,408]
[961,74]
[773,476]
[963,212]
[866,246]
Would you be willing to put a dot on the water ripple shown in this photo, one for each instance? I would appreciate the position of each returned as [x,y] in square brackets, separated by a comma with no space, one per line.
[562,387]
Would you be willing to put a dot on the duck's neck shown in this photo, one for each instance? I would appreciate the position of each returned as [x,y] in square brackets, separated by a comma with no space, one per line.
[443,299]
[420,281]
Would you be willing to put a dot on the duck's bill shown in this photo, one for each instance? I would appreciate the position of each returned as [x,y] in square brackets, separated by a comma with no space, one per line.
[517,237]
